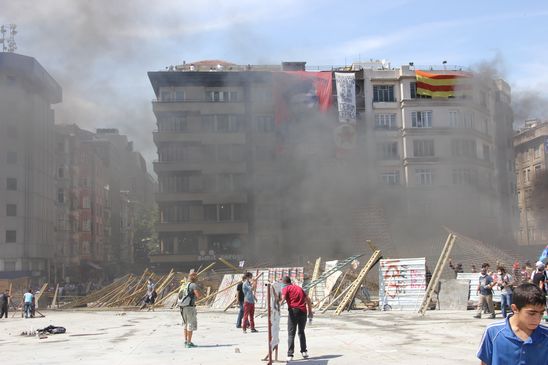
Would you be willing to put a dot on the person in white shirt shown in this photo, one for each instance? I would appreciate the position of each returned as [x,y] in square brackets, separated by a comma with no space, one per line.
[27,303]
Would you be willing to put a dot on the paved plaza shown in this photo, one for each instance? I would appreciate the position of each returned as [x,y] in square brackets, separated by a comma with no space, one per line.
[97,337]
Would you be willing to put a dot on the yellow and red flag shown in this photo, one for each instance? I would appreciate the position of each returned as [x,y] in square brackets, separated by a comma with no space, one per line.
[439,85]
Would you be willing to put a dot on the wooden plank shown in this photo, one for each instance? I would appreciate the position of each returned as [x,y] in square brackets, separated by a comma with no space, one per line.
[436,275]
[54,301]
[237,269]
[356,284]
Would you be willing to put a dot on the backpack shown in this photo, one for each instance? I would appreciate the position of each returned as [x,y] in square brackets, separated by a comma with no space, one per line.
[183,294]
[53,330]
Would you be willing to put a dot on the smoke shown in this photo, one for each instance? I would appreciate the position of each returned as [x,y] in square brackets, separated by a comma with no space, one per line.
[529,104]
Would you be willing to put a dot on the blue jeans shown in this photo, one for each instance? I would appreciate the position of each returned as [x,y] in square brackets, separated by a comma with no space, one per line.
[240,315]
[505,300]
[28,310]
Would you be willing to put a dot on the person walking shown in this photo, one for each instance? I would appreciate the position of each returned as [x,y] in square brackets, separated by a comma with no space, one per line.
[249,304]
[28,297]
[485,291]
[187,304]
[298,305]
[538,277]
[505,284]
[4,300]
[240,298]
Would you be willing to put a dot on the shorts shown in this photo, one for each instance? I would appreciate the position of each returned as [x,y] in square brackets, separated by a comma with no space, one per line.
[190,319]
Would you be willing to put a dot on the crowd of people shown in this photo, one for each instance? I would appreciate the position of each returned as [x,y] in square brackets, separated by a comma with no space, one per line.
[298,303]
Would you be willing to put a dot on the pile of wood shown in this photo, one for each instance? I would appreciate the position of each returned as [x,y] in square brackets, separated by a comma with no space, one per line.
[128,291]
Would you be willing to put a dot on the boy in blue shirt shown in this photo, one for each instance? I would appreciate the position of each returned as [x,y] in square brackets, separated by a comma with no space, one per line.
[520,339]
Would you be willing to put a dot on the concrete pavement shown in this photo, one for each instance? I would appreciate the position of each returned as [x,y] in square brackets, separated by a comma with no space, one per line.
[358,337]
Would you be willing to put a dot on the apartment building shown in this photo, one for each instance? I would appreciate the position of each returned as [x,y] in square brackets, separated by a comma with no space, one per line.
[531,146]
[27,167]
[449,159]
[229,187]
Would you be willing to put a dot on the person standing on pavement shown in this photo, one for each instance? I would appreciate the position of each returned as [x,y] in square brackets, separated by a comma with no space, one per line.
[187,303]
[485,291]
[538,277]
[249,304]
[28,297]
[4,300]
[298,305]
[240,298]
[505,283]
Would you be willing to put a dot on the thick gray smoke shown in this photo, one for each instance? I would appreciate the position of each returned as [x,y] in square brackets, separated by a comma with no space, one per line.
[529,104]
[100,52]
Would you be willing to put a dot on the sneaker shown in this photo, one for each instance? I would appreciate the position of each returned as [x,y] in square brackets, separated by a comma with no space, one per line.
[190,345]
[244,330]
[186,343]
[305,355]
[254,330]
[493,316]
[478,316]
[289,358]
[238,326]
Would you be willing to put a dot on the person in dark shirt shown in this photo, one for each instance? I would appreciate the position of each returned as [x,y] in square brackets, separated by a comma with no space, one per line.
[4,304]
[538,277]
[240,298]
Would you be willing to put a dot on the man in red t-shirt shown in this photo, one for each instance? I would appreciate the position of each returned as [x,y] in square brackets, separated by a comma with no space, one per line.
[297,303]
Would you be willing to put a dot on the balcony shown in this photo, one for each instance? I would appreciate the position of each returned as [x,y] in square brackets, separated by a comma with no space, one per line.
[198,106]
[175,258]
[205,167]
[205,197]
[226,227]
[205,138]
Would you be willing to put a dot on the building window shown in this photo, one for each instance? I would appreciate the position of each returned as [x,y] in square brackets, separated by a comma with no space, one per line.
[210,212]
[464,148]
[421,119]
[11,157]
[60,195]
[423,148]
[464,176]
[11,236]
[538,152]
[11,183]
[9,265]
[221,96]
[11,210]
[385,121]
[165,96]
[454,119]
[60,172]
[527,173]
[387,151]
[486,153]
[391,178]
[538,169]
[177,123]
[265,123]
[413,90]
[86,202]
[424,176]
[383,93]
[179,95]
[86,225]
[225,212]
[223,123]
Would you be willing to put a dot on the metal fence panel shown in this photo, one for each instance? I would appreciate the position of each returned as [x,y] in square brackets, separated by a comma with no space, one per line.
[402,283]
[473,280]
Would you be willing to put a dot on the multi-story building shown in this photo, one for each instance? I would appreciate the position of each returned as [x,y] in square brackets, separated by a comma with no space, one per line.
[101,182]
[81,205]
[228,187]
[27,166]
[531,146]
[448,159]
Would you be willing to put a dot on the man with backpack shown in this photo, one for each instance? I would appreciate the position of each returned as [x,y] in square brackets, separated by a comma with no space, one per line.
[187,303]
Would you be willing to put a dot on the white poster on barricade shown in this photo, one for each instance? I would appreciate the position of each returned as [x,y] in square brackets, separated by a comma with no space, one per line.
[402,283]
[346,96]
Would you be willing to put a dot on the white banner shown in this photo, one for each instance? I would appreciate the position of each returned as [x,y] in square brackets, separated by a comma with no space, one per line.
[346,96]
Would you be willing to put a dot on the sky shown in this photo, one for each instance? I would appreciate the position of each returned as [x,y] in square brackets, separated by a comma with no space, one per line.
[100,51]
